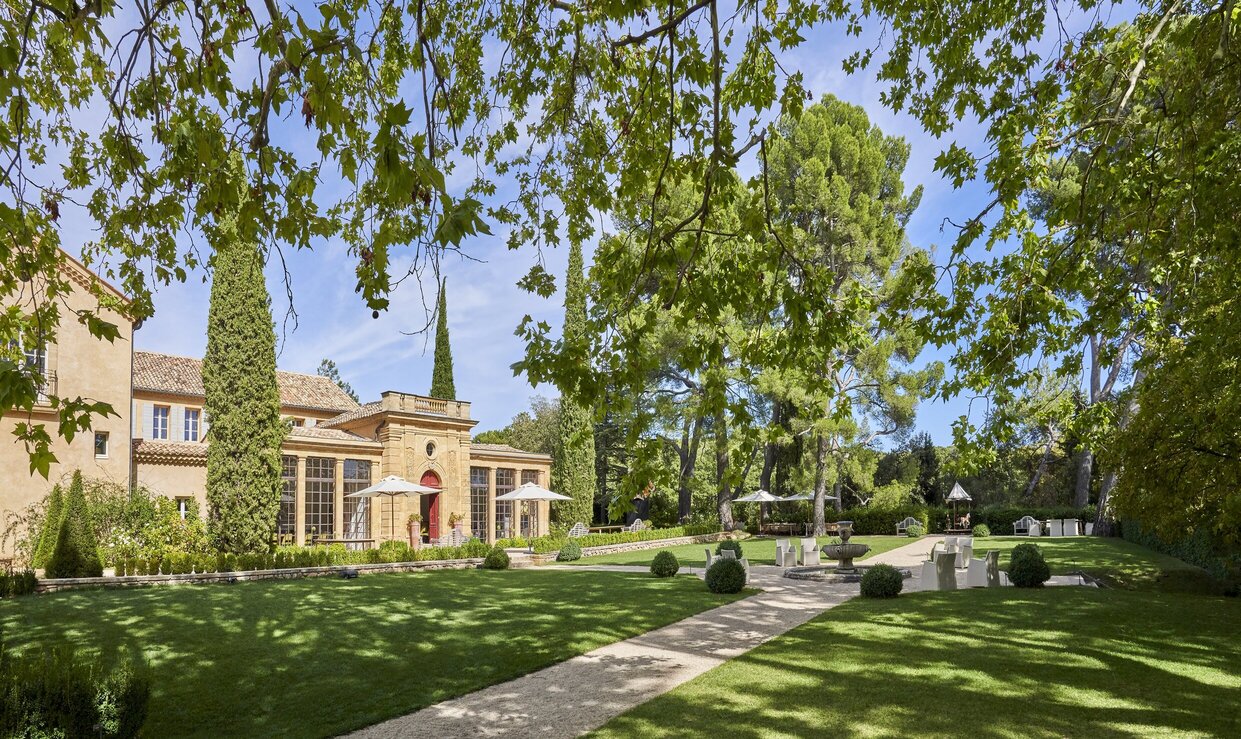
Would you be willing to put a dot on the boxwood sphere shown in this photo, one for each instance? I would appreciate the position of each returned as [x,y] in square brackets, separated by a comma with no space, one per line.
[665,564]
[882,581]
[729,544]
[1027,568]
[569,552]
[726,576]
[982,531]
[915,531]
[497,559]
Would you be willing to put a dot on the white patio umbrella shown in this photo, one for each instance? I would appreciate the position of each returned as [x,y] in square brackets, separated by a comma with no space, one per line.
[807,496]
[390,487]
[760,496]
[531,492]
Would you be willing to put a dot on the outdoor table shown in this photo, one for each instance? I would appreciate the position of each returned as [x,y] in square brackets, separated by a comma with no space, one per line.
[604,529]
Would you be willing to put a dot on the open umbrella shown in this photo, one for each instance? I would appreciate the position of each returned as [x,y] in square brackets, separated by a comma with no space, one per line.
[390,487]
[530,491]
[957,495]
[806,496]
[760,497]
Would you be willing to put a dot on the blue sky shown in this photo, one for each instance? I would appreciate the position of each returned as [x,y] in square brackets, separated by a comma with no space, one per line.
[485,305]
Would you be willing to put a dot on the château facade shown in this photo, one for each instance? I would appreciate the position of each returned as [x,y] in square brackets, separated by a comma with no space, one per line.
[335,446]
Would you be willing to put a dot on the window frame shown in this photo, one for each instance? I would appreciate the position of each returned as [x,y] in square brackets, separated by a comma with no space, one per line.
[360,479]
[107,444]
[480,490]
[198,421]
[155,418]
[319,517]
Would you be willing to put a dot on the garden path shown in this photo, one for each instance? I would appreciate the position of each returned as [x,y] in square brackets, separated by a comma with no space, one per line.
[583,693]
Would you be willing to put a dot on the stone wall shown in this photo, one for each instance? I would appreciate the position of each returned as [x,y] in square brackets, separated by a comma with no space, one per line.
[47,586]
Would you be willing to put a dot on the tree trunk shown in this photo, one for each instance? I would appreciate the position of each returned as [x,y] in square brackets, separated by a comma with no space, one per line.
[1103,523]
[1042,463]
[723,493]
[837,489]
[820,486]
[769,452]
[689,460]
[1085,462]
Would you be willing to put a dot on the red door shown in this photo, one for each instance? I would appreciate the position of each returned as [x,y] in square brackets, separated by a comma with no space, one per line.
[431,505]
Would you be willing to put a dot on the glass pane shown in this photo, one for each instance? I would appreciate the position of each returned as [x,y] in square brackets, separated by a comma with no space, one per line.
[357,511]
[286,522]
[320,497]
[479,485]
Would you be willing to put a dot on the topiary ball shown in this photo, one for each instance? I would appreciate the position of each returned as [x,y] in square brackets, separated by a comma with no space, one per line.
[497,559]
[1027,568]
[726,576]
[665,564]
[882,581]
[729,544]
[570,552]
[915,531]
[981,531]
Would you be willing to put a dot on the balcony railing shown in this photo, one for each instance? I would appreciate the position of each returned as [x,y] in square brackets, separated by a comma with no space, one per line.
[423,404]
[47,388]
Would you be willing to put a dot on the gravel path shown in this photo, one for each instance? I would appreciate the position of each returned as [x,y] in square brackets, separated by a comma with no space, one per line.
[580,694]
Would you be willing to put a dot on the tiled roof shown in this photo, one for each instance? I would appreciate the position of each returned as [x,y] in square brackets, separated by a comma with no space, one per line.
[505,448]
[317,432]
[146,450]
[362,411]
[164,373]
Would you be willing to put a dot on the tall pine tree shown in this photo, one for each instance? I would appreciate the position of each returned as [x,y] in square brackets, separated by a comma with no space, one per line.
[242,400]
[442,385]
[573,472]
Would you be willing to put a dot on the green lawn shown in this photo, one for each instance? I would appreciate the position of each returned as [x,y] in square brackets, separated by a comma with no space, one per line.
[758,551]
[1116,562]
[995,663]
[323,656]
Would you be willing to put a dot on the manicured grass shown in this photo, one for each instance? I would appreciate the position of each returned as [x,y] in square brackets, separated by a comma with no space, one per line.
[1116,562]
[322,656]
[996,663]
[758,551]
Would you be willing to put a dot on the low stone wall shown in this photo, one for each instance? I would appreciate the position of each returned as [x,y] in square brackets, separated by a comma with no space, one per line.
[637,546]
[130,581]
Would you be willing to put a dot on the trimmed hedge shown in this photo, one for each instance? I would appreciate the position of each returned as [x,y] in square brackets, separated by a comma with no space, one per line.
[56,694]
[76,552]
[17,583]
[665,564]
[1198,549]
[553,542]
[882,581]
[726,576]
[1027,568]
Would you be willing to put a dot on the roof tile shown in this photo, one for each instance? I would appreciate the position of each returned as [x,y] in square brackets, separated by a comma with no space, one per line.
[164,373]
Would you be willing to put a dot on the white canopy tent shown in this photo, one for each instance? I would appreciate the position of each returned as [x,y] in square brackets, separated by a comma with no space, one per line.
[390,487]
[957,495]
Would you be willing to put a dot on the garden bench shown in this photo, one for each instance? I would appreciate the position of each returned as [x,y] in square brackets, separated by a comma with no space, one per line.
[579,529]
[1023,525]
[903,526]
[637,525]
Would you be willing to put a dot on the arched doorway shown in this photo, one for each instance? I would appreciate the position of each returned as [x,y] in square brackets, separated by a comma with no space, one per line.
[430,503]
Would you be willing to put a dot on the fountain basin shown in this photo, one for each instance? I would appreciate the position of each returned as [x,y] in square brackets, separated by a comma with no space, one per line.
[835,574]
[844,553]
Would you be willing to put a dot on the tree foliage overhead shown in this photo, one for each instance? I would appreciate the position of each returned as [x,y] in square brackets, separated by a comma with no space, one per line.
[242,399]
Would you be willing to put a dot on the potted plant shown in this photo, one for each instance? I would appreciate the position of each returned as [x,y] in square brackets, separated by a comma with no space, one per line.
[413,524]
[455,520]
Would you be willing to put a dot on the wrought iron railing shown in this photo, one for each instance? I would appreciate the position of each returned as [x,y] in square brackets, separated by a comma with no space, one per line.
[47,387]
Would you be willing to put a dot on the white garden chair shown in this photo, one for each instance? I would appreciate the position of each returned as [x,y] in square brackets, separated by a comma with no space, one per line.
[1036,529]
[940,574]
[1056,527]
[810,552]
[1089,528]
[1072,527]
[965,550]
[985,573]
[786,553]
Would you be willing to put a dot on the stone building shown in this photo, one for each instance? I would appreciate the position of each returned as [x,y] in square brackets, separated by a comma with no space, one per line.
[335,446]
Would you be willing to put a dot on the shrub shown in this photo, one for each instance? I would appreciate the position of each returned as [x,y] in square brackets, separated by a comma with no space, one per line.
[474,548]
[153,566]
[497,559]
[165,566]
[56,694]
[17,583]
[1027,568]
[915,531]
[882,581]
[726,576]
[76,553]
[548,544]
[570,552]
[665,564]
[729,544]
[982,531]
[51,527]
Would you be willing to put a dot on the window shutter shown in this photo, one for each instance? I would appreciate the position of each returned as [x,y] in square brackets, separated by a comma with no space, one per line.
[176,422]
[148,417]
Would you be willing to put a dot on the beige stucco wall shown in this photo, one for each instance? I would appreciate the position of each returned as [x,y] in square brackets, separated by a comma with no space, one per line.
[86,367]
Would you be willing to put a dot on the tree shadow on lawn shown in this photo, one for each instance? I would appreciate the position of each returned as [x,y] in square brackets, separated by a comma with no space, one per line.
[1117,562]
[321,656]
[1057,662]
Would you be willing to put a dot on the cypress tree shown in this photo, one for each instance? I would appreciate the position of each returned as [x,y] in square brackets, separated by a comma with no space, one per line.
[242,399]
[76,553]
[573,472]
[51,527]
[442,385]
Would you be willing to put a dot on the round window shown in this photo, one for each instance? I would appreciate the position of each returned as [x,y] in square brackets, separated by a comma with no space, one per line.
[430,448]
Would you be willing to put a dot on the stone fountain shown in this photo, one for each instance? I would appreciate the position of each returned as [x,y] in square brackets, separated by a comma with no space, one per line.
[844,553]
